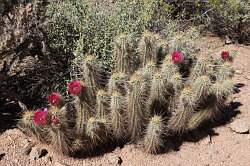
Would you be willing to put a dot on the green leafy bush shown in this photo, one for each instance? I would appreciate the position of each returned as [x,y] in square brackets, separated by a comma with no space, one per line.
[232,18]
[87,26]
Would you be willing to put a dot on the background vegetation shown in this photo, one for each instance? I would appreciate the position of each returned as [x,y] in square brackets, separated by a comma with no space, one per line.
[56,35]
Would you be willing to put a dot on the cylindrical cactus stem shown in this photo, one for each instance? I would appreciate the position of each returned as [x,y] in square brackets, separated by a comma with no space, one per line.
[199,117]
[59,131]
[123,54]
[118,82]
[168,68]
[163,49]
[148,48]
[92,75]
[224,71]
[178,121]
[203,66]
[201,88]
[102,102]
[26,123]
[149,70]
[117,120]
[160,91]
[96,131]
[177,82]
[136,105]
[83,113]
[154,138]
[221,90]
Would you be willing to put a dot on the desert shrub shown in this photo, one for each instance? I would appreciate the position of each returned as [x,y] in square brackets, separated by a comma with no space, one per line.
[171,91]
[231,18]
[26,66]
[85,26]
[224,17]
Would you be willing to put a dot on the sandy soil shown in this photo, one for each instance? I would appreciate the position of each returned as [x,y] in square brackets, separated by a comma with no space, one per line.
[213,145]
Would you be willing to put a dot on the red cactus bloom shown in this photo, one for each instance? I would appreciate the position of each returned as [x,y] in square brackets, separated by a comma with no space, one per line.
[55,120]
[55,99]
[177,57]
[225,55]
[40,117]
[75,87]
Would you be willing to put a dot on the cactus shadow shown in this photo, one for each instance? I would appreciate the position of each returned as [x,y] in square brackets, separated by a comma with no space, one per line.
[99,151]
[9,115]
[206,130]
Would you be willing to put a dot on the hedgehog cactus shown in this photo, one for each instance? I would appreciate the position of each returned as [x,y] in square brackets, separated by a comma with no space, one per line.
[166,95]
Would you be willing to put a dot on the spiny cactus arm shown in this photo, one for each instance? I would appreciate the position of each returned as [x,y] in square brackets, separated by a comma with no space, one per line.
[153,139]
[136,105]
[123,52]
[148,49]
[60,141]
[178,121]
[102,102]
[149,70]
[201,88]
[222,90]
[218,94]
[83,113]
[177,82]
[203,66]
[118,82]
[96,131]
[224,71]
[117,119]
[168,68]
[93,75]
[160,92]
[163,49]
[199,117]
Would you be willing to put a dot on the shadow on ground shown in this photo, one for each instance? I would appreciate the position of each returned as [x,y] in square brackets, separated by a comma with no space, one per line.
[9,115]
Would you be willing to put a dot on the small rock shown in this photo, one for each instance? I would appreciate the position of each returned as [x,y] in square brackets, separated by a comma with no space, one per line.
[37,153]
[59,164]
[239,72]
[115,160]
[239,126]
[228,40]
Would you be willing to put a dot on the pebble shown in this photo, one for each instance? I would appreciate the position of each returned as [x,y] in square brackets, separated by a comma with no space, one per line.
[239,72]
[37,153]
[239,126]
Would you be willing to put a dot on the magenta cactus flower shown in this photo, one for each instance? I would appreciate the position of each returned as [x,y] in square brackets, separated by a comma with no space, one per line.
[75,87]
[225,55]
[55,99]
[177,57]
[40,117]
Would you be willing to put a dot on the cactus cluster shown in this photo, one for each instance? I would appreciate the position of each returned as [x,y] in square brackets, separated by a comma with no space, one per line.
[169,93]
